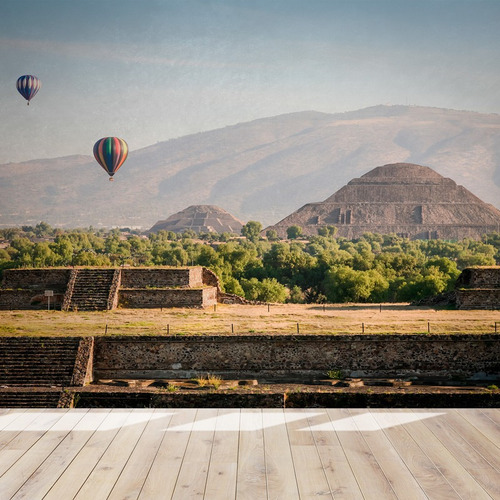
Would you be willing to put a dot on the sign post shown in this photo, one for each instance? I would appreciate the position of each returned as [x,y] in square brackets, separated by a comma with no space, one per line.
[48,294]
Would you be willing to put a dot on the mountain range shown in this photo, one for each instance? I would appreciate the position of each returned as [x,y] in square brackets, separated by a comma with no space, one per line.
[260,170]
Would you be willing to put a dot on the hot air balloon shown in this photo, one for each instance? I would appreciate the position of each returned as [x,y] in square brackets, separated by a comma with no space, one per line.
[110,153]
[28,86]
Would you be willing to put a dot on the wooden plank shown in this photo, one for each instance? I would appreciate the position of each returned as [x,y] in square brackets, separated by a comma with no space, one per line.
[483,423]
[8,415]
[102,479]
[23,440]
[192,477]
[401,479]
[24,467]
[493,414]
[488,449]
[162,476]
[49,471]
[311,479]
[77,472]
[131,480]
[338,472]
[461,481]
[16,423]
[420,465]
[369,475]
[477,466]
[222,472]
[251,474]
[280,471]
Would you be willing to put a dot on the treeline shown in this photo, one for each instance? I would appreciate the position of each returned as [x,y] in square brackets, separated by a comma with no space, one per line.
[322,268]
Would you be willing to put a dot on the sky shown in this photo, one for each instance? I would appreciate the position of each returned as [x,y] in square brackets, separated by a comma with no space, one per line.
[152,70]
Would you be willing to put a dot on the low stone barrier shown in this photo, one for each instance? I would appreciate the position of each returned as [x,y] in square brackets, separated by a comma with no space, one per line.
[286,357]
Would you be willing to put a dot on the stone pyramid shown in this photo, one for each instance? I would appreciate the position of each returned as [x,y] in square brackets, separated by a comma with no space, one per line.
[200,219]
[409,200]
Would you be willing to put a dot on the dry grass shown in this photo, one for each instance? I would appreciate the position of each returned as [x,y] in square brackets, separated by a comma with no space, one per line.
[244,320]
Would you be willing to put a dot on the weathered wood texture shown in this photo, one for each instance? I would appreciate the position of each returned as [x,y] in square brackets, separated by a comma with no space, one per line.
[249,454]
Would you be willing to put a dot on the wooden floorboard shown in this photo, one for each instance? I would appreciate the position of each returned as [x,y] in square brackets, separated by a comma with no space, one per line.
[338,471]
[169,457]
[249,454]
[401,479]
[447,464]
[251,468]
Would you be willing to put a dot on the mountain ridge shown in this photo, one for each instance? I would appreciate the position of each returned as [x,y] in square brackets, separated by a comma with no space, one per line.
[258,170]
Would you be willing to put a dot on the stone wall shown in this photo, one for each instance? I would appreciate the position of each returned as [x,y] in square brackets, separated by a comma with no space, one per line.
[287,356]
[85,398]
[479,277]
[36,279]
[478,288]
[16,299]
[173,297]
[160,277]
[477,298]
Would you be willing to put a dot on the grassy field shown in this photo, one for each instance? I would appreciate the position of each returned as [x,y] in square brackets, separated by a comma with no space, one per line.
[244,319]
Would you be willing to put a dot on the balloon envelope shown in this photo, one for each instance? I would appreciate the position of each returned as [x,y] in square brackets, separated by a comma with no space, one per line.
[28,86]
[110,153]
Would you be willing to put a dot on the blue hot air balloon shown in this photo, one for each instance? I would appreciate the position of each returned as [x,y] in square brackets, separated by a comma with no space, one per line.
[28,86]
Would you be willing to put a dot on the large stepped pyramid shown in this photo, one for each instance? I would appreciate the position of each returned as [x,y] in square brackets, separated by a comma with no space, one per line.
[200,219]
[409,200]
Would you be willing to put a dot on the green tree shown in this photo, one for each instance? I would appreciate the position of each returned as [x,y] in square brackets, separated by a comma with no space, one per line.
[43,229]
[43,256]
[296,295]
[343,284]
[267,290]
[232,285]
[272,235]
[294,232]
[251,230]
[327,231]
[64,249]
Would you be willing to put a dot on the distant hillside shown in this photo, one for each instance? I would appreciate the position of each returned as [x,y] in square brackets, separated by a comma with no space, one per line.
[261,170]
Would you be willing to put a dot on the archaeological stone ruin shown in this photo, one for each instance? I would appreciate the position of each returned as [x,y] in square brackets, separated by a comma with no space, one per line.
[87,288]
[200,219]
[478,288]
[409,200]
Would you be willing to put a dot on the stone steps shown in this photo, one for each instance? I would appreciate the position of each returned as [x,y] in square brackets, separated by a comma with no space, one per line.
[29,399]
[37,361]
[91,289]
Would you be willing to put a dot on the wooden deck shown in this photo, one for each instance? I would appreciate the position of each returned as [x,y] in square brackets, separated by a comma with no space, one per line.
[249,454]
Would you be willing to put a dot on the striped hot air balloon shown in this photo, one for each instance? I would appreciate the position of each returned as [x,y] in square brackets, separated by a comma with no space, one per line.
[110,153]
[28,86]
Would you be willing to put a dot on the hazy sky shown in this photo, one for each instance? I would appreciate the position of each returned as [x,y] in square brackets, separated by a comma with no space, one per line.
[150,70]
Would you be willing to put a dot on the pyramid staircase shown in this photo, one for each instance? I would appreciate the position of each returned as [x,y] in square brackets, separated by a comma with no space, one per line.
[34,370]
[90,290]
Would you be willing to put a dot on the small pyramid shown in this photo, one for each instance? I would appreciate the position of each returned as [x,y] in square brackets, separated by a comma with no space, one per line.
[200,219]
[409,200]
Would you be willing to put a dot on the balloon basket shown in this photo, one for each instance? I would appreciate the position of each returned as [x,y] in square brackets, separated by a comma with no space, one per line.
[111,179]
